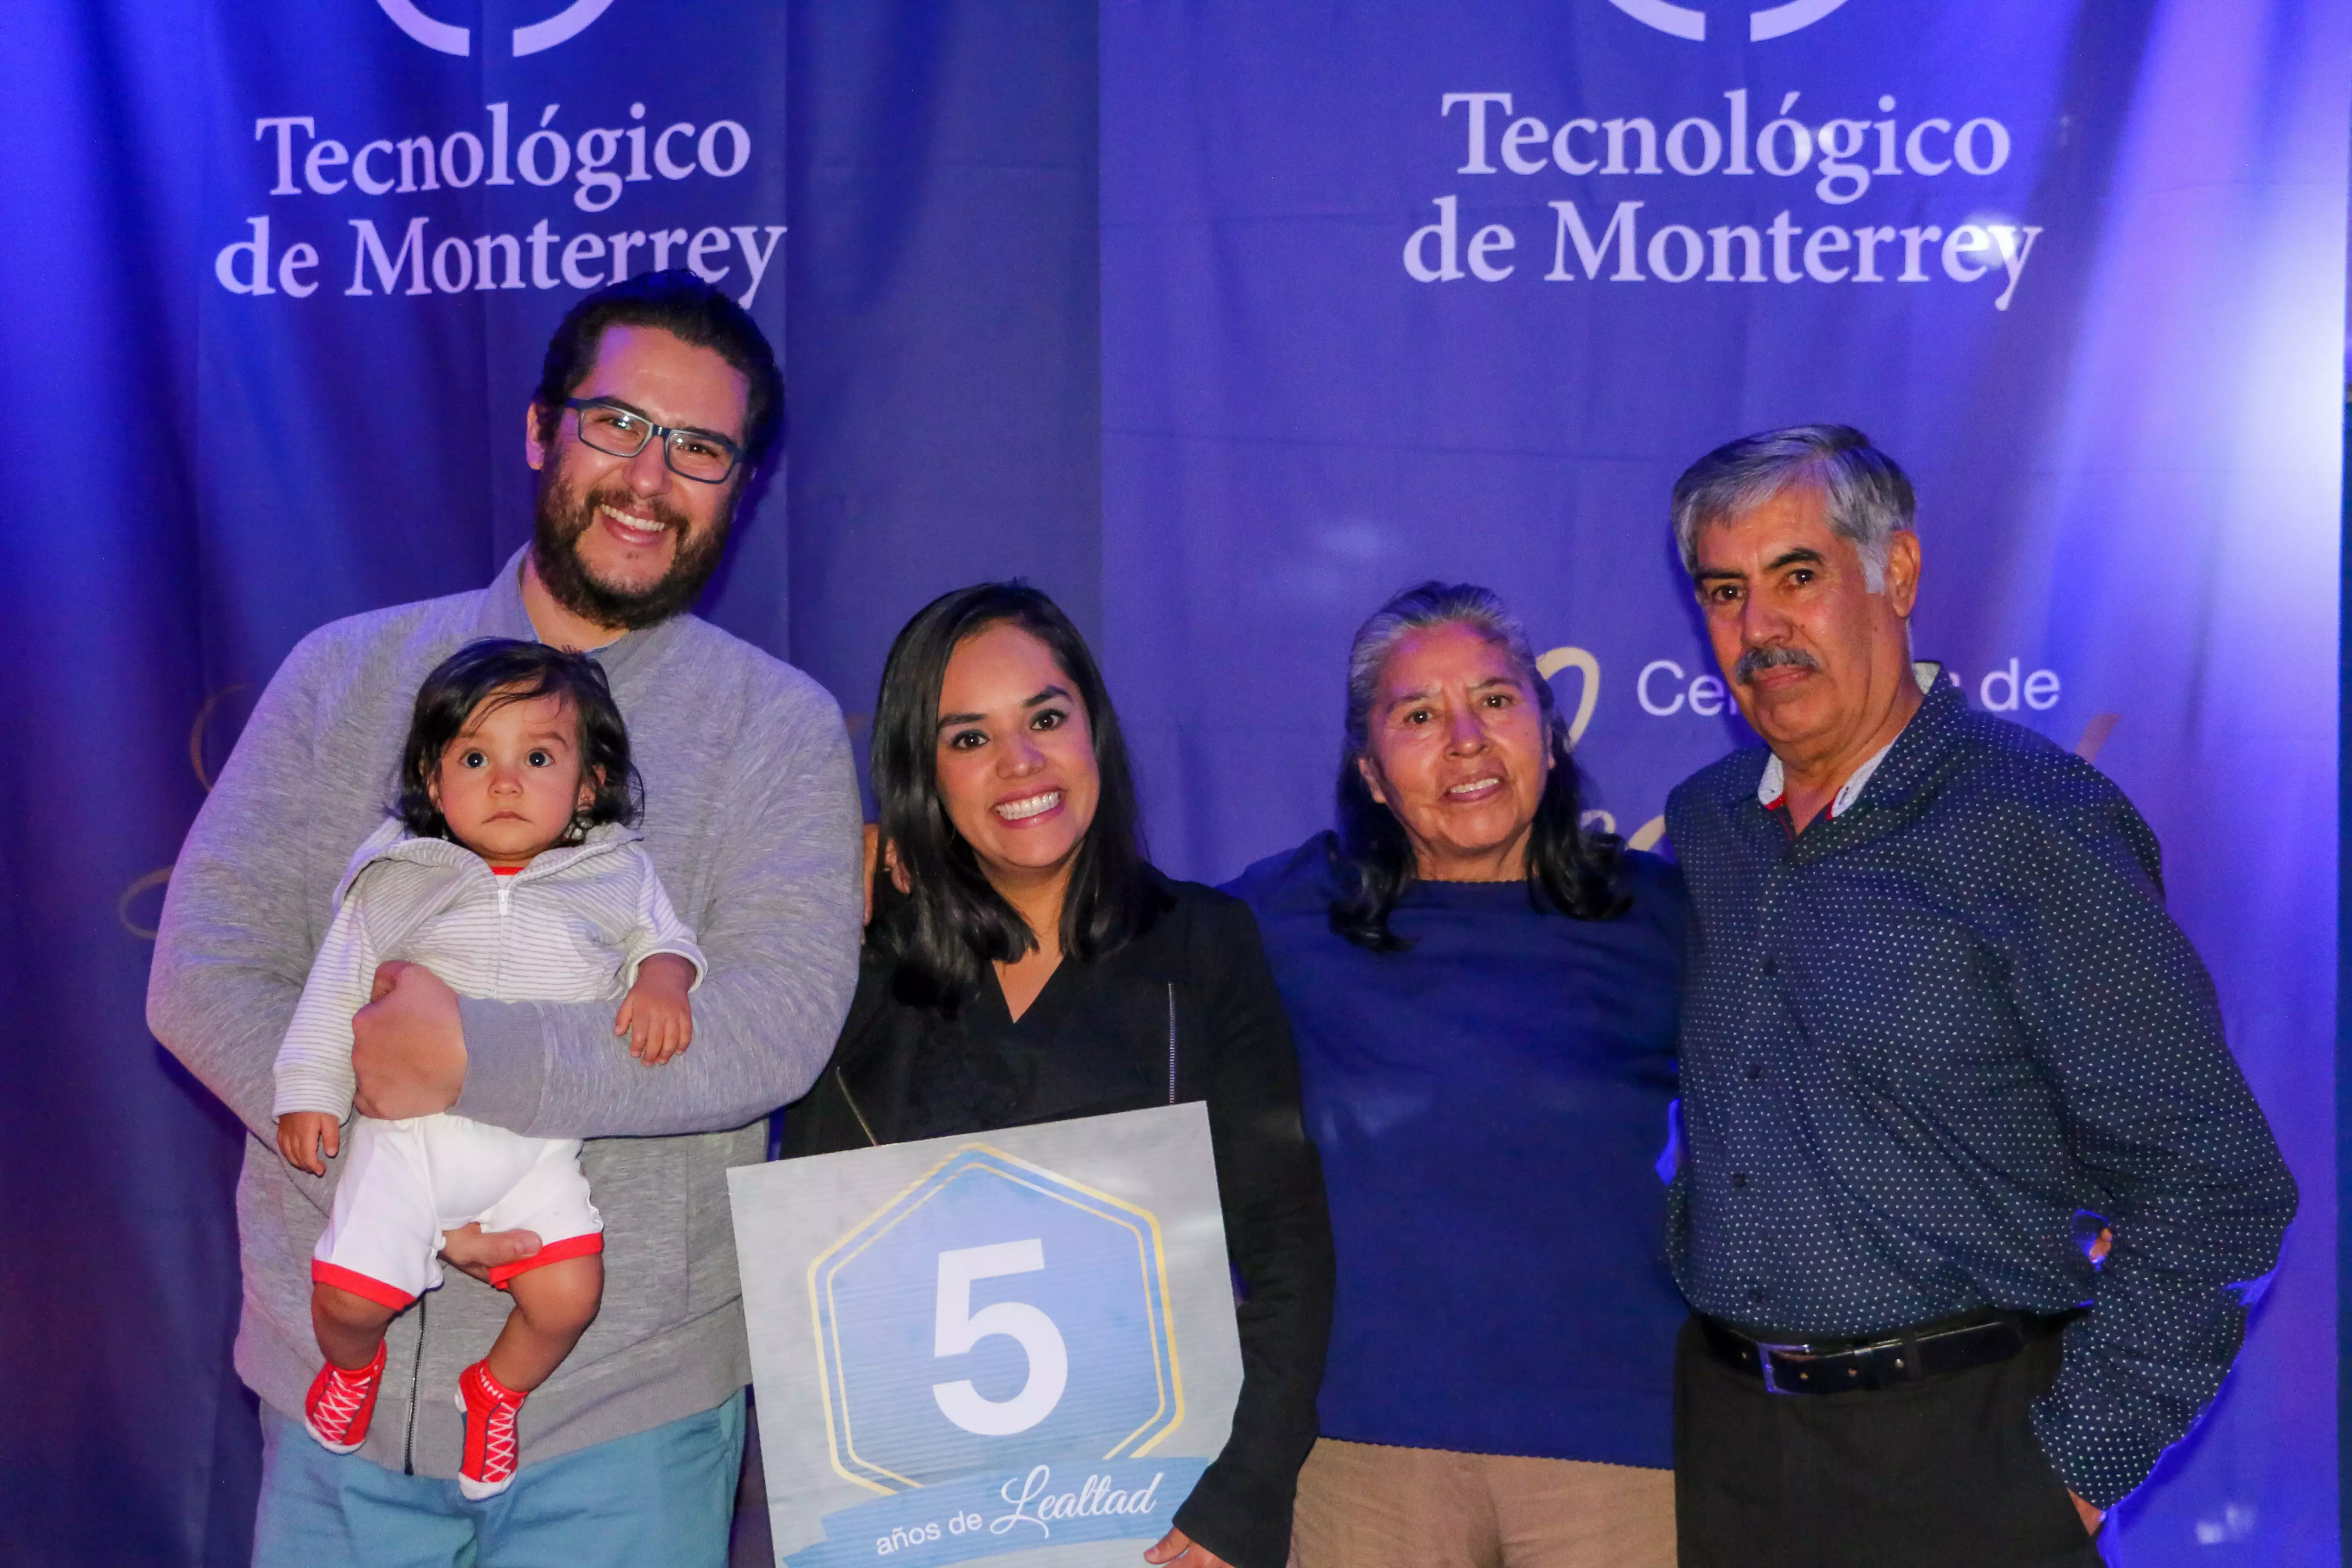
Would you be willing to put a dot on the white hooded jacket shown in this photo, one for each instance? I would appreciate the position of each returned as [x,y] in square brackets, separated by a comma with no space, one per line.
[572,926]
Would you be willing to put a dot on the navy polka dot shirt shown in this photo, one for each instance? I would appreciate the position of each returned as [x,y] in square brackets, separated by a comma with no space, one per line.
[1931,1043]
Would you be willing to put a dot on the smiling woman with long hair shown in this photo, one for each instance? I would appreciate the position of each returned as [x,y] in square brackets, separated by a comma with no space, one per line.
[1026,964]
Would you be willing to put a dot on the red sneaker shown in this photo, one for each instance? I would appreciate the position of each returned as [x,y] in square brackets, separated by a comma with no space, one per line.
[488,1467]
[340,1403]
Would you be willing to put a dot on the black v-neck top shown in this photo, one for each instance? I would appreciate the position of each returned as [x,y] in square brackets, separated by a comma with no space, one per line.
[1186,1011]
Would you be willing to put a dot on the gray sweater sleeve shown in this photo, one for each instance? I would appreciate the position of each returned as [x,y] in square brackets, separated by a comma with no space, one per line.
[780,941]
[234,944]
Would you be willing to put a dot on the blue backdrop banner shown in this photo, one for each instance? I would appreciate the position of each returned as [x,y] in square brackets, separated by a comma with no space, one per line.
[1385,292]
[1400,291]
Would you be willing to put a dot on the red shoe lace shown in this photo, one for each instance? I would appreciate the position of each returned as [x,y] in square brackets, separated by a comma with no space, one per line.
[339,1402]
[341,1396]
[495,1407]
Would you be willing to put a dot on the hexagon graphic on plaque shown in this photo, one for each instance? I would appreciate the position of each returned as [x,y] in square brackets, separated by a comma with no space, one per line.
[994,1315]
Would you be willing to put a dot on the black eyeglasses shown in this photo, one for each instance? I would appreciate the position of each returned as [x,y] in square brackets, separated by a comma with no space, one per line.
[623,432]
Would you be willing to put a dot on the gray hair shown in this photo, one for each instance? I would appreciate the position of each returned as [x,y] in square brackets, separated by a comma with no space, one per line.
[1867,496]
[1567,870]
[1419,608]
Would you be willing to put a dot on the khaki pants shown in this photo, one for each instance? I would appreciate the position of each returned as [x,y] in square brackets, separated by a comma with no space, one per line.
[1362,1506]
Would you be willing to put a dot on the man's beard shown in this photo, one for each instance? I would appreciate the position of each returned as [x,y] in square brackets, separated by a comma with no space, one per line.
[562,517]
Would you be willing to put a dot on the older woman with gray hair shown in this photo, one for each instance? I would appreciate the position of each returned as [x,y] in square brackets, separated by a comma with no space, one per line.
[1484,995]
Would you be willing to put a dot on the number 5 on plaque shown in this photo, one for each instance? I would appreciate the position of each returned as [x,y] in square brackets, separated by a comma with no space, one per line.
[958,1329]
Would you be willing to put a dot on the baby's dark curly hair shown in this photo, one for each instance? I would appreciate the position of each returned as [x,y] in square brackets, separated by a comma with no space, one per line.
[499,670]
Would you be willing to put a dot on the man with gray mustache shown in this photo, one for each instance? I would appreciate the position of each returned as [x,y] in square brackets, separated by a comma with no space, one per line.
[1757,660]
[1975,1201]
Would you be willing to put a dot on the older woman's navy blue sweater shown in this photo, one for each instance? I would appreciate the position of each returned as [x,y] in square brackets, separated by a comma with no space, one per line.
[1491,1105]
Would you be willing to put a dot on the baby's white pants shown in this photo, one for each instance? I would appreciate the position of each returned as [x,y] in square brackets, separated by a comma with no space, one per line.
[406,1181]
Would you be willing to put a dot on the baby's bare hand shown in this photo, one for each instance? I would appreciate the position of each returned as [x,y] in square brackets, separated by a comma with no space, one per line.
[656,1013]
[658,1026]
[302,1135]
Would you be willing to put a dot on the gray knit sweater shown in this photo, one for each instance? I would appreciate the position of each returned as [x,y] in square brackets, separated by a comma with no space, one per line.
[752,817]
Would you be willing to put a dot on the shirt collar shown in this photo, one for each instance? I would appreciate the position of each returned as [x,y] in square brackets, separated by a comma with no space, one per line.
[1769,788]
[501,613]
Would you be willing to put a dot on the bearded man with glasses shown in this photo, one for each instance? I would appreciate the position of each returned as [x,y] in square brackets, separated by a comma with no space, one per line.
[659,398]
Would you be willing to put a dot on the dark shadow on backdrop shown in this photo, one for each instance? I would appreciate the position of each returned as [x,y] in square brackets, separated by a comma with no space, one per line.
[944,319]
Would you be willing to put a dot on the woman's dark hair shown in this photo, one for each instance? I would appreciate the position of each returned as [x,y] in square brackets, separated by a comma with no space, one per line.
[1569,869]
[499,670]
[689,309]
[941,934]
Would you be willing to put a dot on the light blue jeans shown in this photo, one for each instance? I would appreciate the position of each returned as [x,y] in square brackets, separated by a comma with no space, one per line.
[662,1499]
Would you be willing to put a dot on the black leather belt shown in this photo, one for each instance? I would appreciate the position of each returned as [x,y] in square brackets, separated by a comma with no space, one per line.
[1886,1361]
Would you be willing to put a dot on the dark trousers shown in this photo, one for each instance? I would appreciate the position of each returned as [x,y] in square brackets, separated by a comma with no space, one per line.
[1945,1473]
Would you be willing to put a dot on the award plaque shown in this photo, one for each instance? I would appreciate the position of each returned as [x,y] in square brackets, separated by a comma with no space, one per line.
[1016,1347]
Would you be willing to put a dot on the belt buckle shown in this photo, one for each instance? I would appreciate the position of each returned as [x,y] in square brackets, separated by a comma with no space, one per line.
[1764,1355]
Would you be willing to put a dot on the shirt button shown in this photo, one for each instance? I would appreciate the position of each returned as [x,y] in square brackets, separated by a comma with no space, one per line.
[1738,1181]
[1755,1071]
[1755,1298]
[1769,966]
